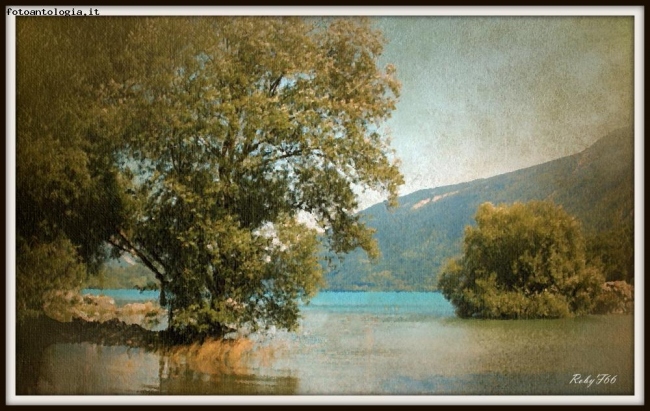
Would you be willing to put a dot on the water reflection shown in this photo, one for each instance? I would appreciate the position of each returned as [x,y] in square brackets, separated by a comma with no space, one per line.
[358,351]
[81,369]
[89,369]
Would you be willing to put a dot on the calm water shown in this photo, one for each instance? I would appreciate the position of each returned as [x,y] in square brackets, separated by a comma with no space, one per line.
[366,343]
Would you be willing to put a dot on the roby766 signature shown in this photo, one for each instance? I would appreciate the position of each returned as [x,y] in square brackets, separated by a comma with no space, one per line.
[589,380]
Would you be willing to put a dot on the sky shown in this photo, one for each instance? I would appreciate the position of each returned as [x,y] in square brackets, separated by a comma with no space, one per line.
[482,96]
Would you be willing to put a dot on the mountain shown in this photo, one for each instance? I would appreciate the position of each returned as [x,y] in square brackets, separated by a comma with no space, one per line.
[595,185]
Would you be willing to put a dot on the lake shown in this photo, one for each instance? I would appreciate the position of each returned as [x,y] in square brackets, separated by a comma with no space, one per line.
[366,343]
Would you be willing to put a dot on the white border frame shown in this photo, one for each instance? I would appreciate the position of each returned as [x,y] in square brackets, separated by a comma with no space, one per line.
[638,398]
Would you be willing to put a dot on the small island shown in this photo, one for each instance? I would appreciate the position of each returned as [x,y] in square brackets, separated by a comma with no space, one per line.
[528,261]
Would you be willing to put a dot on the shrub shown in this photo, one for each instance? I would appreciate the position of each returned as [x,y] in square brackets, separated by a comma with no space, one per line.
[522,261]
[616,297]
[43,269]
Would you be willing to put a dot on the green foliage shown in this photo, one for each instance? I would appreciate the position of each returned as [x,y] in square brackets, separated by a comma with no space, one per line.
[196,145]
[68,201]
[522,261]
[232,130]
[42,269]
[613,251]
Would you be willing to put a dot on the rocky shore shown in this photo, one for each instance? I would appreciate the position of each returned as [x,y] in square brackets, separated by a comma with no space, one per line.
[44,331]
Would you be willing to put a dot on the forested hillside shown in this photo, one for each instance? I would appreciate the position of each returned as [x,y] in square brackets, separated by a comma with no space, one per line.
[595,185]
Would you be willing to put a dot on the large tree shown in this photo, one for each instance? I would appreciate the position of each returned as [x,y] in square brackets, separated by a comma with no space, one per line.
[522,261]
[237,131]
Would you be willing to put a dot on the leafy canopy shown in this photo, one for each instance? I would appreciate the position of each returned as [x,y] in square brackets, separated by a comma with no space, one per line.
[68,195]
[234,130]
[521,261]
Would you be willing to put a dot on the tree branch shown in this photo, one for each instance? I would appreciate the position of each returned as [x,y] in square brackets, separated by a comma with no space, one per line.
[126,246]
[274,86]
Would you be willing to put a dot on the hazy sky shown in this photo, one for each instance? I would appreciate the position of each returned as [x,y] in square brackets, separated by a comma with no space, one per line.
[482,96]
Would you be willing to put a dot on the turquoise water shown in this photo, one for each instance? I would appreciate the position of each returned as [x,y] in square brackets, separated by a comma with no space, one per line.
[379,302]
[125,296]
[382,302]
[361,343]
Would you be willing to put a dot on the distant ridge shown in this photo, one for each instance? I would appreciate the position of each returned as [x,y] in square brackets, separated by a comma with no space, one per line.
[595,185]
